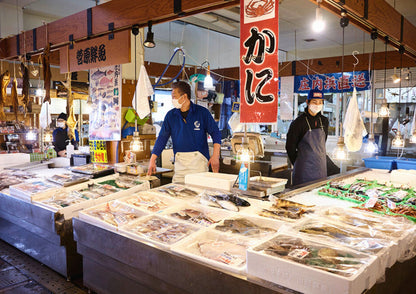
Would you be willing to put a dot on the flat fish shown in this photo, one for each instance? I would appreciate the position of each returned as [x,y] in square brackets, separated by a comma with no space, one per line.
[105,81]
[25,89]
[4,81]
[98,75]
[15,98]
[47,73]
[223,251]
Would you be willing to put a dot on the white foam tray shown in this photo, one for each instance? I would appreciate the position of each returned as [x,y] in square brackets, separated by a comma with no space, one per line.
[306,279]
[211,180]
[169,201]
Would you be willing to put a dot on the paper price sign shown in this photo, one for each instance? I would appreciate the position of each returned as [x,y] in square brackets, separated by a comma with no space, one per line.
[371,202]
[98,151]
[391,204]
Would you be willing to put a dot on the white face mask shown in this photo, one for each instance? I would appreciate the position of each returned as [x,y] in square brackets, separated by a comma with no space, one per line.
[316,108]
[176,103]
[60,124]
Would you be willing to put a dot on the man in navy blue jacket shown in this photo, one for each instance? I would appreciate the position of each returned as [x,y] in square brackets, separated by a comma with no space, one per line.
[188,124]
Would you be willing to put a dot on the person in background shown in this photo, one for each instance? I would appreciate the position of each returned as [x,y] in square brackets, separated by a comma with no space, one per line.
[306,139]
[60,136]
[188,125]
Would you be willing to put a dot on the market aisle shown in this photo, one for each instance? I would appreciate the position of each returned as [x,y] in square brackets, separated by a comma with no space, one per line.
[21,274]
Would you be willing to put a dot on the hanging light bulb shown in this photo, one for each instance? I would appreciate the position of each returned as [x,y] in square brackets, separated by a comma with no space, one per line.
[398,141]
[413,137]
[384,109]
[31,135]
[48,136]
[318,24]
[89,105]
[149,43]
[136,144]
[245,154]
[394,77]
[208,83]
[371,146]
[340,152]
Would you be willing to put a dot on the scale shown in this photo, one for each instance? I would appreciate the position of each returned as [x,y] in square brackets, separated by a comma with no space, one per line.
[248,147]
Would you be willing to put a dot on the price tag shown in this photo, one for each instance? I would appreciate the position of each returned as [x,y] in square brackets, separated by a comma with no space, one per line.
[299,253]
[98,150]
[372,193]
[391,204]
[371,202]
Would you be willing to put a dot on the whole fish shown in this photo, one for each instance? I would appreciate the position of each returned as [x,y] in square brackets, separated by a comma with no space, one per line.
[15,98]
[210,200]
[105,81]
[25,89]
[233,198]
[4,81]
[47,73]
[98,75]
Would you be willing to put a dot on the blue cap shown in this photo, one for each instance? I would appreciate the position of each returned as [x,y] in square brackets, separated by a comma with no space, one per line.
[315,94]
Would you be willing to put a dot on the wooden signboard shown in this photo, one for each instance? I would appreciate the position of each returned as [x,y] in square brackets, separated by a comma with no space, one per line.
[98,52]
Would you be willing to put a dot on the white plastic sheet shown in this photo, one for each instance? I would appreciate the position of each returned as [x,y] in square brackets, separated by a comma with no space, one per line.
[144,89]
[354,129]
[45,115]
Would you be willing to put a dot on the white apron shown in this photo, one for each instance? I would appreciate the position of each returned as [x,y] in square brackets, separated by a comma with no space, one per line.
[188,163]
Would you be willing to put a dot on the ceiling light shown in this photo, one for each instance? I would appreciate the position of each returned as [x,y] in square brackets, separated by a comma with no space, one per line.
[394,77]
[340,152]
[208,83]
[384,109]
[318,25]
[398,141]
[370,146]
[149,43]
[136,144]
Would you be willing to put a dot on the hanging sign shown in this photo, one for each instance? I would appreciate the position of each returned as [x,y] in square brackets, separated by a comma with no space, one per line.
[259,35]
[98,151]
[331,83]
[97,52]
[105,94]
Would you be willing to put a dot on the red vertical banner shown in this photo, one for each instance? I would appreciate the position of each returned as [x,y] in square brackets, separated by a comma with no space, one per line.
[259,83]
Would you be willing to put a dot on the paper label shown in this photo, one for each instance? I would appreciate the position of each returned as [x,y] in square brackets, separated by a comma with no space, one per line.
[391,204]
[371,202]
[299,253]
[371,193]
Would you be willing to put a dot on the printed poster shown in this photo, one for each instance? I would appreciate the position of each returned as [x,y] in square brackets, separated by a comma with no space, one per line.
[259,35]
[105,93]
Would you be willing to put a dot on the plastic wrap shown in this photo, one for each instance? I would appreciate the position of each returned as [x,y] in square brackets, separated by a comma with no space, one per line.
[63,199]
[94,191]
[158,229]
[148,202]
[285,210]
[176,190]
[68,179]
[224,200]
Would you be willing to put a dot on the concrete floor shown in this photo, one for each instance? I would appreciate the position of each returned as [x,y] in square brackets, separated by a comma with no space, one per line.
[21,274]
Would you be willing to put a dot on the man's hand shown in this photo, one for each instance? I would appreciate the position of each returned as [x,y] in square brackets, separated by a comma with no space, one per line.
[214,161]
[62,153]
[152,165]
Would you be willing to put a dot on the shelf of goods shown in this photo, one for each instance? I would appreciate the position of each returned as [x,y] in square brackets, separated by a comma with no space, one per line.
[36,212]
[189,239]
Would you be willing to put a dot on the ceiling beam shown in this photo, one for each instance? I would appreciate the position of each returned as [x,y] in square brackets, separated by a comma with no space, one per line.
[123,13]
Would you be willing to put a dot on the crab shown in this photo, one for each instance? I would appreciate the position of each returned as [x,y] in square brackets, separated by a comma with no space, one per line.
[258,8]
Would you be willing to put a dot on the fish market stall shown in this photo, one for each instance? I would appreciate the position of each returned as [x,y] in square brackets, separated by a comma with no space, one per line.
[36,210]
[193,239]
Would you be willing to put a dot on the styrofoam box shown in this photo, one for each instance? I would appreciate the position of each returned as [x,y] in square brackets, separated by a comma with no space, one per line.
[16,190]
[169,201]
[129,231]
[402,176]
[85,216]
[306,279]
[215,214]
[387,256]
[189,247]
[211,180]
[259,221]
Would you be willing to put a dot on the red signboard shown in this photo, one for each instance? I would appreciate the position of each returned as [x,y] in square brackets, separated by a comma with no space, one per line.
[259,35]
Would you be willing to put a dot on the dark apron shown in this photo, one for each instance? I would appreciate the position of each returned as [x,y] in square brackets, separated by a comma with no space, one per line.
[310,164]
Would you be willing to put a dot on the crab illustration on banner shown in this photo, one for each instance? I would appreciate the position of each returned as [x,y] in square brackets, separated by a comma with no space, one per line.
[259,35]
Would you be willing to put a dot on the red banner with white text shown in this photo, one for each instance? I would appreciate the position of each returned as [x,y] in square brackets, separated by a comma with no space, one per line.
[259,35]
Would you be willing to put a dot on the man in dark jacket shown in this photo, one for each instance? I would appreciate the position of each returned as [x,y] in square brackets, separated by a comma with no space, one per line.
[306,138]
[60,136]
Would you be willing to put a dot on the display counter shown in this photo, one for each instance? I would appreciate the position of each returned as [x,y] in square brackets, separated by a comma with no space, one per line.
[125,258]
[42,230]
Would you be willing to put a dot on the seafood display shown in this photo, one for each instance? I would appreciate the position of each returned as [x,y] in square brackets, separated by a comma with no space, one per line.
[223,251]
[64,199]
[31,189]
[404,210]
[121,183]
[10,178]
[222,200]
[244,227]
[347,236]
[93,169]
[47,73]
[285,209]
[67,179]
[147,201]
[333,260]
[197,216]
[4,82]
[114,213]
[161,230]
[175,190]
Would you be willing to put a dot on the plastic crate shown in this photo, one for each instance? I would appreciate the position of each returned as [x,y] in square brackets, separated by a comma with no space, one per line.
[406,163]
[381,162]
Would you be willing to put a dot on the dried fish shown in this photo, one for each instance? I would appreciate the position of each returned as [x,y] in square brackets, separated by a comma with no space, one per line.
[47,73]
[25,90]
[243,227]
[15,98]
[194,216]
[4,82]
[223,251]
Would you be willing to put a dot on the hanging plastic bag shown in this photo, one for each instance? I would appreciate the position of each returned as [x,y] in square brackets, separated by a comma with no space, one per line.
[45,115]
[144,89]
[354,129]
[234,121]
